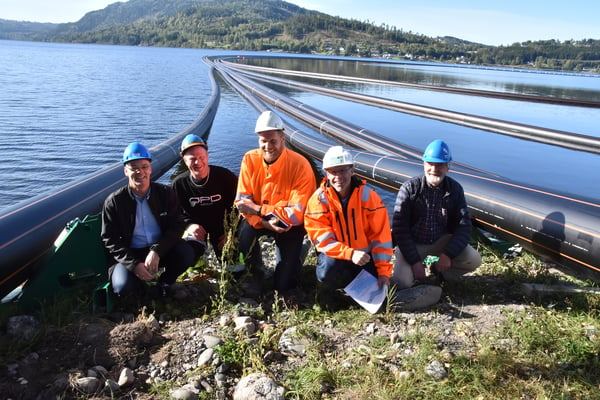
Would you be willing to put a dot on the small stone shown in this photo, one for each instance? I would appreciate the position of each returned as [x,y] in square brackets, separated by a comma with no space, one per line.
[110,386]
[205,357]
[248,328]
[126,377]
[436,370]
[100,370]
[224,320]
[258,386]
[290,343]
[223,367]
[212,341]
[183,394]
[371,328]
[88,384]
[206,386]
[153,323]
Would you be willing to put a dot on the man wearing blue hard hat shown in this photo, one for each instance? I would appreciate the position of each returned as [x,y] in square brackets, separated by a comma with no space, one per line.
[431,218]
[206,193]
[142,227]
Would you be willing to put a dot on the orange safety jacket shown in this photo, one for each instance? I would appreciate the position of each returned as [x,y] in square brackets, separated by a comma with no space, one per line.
[362,225]
[281,188]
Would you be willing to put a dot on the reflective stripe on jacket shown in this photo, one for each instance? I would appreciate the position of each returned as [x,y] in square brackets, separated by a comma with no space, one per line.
[281,188]
[364,225]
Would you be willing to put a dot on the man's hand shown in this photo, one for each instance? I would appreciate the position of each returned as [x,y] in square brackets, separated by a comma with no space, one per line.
[197,231]
[360,257]
[247,206]
[142,272]
[383,280]
[418,270]
[271,224]
[151,262]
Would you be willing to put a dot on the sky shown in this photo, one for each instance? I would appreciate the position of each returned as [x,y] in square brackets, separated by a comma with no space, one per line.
[492,22]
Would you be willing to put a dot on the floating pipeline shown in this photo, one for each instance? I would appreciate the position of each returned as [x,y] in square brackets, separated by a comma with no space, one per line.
[28,229]
[569,140]
[334,127]
[447,89]
[555,225]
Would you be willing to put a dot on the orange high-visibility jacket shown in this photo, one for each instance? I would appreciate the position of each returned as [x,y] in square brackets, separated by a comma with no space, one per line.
[364,225]
[281,188]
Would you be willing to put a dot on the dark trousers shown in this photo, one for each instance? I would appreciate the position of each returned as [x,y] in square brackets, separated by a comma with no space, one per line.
[337,274]
[289,251]
[175,262]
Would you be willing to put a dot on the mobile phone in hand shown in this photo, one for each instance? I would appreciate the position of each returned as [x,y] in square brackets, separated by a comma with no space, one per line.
[280,223]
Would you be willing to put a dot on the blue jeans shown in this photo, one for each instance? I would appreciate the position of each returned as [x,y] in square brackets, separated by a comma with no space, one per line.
[289,250]
[175,262]
[337,274]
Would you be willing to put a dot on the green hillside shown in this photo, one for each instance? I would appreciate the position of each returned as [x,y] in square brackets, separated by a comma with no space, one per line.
[278,25]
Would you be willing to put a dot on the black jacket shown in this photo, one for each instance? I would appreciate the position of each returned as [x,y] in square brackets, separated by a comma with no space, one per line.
[410,206]
[118,222]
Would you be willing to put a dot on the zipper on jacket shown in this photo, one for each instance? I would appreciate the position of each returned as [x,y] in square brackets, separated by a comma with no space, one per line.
[339,222]
[354,224]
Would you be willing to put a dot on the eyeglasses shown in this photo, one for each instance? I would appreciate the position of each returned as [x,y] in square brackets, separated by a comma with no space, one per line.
[137,170]
[339,171]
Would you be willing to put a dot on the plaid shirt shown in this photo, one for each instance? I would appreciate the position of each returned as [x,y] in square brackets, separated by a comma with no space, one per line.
[422,215]
[431,226]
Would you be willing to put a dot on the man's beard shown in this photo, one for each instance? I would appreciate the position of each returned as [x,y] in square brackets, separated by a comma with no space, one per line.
[433,180]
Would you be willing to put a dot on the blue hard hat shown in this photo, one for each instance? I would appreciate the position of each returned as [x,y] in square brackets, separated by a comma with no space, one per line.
[191,140]
[136,151]
[437,152]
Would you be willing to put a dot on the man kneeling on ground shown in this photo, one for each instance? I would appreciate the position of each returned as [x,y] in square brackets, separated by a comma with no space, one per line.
[142,228]
[349,226]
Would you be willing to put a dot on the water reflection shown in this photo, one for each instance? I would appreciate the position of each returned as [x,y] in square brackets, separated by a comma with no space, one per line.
[529,83]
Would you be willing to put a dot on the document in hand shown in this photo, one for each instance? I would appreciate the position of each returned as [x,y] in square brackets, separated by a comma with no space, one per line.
[365,291]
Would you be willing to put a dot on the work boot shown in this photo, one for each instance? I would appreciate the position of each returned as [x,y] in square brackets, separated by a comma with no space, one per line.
[416,297]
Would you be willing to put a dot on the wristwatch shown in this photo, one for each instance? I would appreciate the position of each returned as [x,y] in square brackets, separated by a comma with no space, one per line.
[154,247]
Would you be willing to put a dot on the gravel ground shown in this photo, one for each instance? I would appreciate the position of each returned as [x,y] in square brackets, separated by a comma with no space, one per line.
[122,354]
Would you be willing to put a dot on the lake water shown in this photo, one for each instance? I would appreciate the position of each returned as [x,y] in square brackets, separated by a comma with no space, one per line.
[68,110]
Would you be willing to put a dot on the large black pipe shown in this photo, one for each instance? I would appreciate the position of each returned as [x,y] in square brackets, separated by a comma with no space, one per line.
[570,140]
[29,228]
[555,225]
[333,127]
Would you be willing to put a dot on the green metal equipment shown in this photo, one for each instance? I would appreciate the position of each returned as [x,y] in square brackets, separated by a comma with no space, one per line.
[78,262]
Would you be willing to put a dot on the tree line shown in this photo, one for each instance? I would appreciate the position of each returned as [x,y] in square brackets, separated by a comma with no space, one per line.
[277,25]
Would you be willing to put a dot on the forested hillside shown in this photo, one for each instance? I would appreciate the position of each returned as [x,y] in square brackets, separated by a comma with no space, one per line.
[278,25]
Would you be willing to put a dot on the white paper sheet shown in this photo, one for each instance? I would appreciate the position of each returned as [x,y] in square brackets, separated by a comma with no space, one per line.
[365,291]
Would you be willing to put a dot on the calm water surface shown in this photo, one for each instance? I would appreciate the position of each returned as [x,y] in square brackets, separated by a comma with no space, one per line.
[68,110]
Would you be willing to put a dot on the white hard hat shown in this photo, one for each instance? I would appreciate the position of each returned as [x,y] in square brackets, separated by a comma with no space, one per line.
[268,121]
[335,156]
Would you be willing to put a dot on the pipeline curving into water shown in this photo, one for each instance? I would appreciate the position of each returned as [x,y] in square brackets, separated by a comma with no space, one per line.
[559,226]
[29,228]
